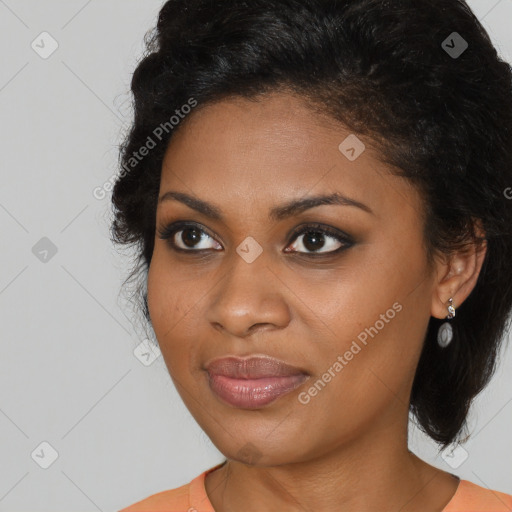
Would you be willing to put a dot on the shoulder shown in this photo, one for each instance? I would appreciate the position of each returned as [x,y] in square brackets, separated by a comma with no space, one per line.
[191,497]
[471,497]
[165,501]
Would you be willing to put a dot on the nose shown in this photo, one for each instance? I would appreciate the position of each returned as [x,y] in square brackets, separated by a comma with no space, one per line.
[249,298]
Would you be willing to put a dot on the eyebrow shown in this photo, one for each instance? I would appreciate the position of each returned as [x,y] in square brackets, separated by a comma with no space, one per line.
[276,213]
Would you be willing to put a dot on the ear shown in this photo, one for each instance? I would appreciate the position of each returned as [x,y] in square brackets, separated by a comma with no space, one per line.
[457,275]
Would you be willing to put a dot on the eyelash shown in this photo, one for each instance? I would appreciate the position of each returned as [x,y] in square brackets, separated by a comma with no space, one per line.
[168,232]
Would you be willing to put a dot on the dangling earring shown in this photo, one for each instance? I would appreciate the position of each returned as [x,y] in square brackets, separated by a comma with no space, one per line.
[445,333]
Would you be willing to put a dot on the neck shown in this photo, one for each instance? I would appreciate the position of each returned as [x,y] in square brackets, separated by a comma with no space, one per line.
[376,471]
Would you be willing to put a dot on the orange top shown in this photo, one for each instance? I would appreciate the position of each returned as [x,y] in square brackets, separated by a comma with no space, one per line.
[192,497]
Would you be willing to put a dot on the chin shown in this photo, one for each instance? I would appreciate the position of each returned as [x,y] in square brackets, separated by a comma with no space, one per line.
[258,450]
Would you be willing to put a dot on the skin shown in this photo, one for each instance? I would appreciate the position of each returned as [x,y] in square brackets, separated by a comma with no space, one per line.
[347,447]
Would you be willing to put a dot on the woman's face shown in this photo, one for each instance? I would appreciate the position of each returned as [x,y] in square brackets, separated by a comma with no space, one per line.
[353,319]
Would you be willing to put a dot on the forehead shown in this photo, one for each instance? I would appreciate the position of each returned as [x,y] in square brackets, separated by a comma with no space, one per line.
[244,152]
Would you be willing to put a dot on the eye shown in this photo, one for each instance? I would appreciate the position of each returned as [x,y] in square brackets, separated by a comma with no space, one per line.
[321,240]
[187,237]
[317,239]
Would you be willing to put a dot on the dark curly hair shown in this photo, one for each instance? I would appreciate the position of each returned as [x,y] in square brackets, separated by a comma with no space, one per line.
[384,69]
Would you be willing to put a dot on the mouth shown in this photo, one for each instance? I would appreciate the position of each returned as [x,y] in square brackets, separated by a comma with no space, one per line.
[252,382]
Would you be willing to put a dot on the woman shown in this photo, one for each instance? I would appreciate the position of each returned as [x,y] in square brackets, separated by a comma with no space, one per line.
[318,193]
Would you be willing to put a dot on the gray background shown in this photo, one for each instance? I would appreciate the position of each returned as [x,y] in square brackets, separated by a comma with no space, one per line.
[70,377]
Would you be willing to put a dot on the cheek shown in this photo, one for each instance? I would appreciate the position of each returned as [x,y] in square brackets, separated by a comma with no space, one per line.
[161,303]
[373,313]
[168,309]
[170,291]
[363,377]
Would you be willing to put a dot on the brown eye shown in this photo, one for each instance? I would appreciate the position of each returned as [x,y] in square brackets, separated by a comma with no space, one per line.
[317,239]
[311,240]
[188,238]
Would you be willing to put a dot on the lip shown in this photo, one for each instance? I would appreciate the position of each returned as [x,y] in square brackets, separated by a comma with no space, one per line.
[251,367]
[254,381]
